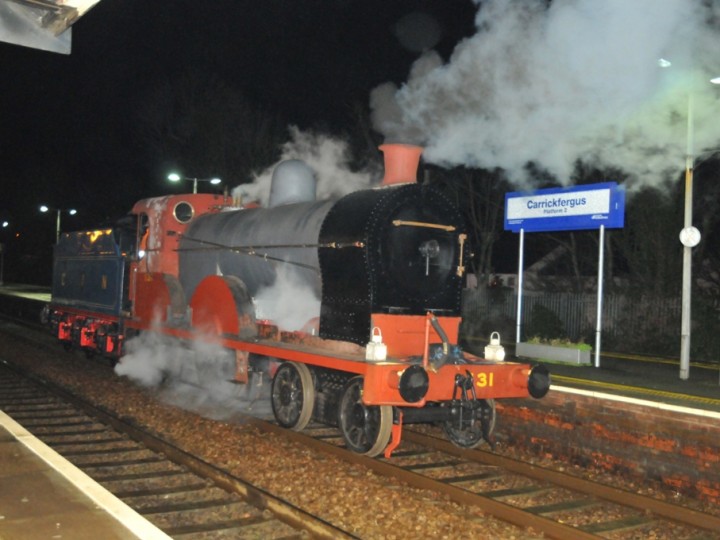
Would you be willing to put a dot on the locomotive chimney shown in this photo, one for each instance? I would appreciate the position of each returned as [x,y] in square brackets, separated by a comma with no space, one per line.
[401,163]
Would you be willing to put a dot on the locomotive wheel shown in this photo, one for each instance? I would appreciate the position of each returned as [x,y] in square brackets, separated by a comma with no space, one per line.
[365,428]
[474,428]
[293,395]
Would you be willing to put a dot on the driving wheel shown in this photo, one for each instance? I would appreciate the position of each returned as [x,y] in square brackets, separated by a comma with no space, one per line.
[470,428]
[365,428]
[293,395]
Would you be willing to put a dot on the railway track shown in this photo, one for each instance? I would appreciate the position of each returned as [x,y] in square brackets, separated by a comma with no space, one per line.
[182,495]
[551,503]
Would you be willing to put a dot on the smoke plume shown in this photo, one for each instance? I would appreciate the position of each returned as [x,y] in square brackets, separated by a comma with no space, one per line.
[553,82]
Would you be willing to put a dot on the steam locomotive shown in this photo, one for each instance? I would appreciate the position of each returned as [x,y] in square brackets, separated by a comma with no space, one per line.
[375,349]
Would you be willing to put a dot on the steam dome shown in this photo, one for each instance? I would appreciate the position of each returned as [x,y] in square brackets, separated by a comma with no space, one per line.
[292,182]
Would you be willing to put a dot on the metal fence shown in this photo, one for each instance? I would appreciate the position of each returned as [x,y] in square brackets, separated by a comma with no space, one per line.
[621,315]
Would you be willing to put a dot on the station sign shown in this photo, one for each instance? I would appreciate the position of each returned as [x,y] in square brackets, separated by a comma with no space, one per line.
[566,209]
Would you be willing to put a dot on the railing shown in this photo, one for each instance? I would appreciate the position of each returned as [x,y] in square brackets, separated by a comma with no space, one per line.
[622,315]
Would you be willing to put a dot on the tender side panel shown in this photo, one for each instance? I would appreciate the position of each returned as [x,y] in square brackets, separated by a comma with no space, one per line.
[88,272]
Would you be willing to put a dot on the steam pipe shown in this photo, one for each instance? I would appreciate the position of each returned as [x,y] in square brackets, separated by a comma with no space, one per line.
[441,333]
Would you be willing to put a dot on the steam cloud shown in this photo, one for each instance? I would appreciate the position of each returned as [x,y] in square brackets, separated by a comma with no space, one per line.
[289,301]
[196,378]
[329,158]
[575,79]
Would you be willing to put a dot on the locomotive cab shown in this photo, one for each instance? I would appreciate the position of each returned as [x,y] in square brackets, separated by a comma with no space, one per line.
[155,289]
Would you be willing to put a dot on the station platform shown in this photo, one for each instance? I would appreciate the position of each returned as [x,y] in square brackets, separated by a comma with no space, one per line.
[39,293]
[646,378]
[44,496]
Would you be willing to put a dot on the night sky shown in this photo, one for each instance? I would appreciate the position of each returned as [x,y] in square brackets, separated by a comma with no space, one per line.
[220,87]
[73,128]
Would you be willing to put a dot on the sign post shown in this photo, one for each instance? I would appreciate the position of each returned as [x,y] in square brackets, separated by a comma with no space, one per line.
[592,206]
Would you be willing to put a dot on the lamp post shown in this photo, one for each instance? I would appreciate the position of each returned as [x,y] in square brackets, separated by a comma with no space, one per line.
[59,211]
[689,240]
[5,225]
[174,177]
[689,235]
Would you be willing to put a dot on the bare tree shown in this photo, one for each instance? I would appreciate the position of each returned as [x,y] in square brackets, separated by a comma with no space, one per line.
[649,244]
[480,194]
[568,241]
[707,206]
[207,128]
[578,257]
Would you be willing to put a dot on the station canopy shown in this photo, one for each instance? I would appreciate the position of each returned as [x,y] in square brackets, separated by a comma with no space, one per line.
[41,24]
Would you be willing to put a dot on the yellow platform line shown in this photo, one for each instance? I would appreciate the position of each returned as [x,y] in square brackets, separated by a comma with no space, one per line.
[670,360]
[660,360]
[638,390]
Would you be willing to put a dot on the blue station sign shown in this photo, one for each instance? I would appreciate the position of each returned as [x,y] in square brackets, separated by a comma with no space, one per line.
[566,209]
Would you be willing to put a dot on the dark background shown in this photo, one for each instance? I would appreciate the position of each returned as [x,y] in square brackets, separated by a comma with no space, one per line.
[78,131]
[210,89]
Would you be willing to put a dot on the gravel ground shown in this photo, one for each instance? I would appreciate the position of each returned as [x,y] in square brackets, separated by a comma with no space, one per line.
[359,501]
[352,498]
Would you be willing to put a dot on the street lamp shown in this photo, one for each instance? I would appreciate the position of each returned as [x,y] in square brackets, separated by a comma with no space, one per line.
[5,225]
[689,235]
[59,211]
[174,177]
